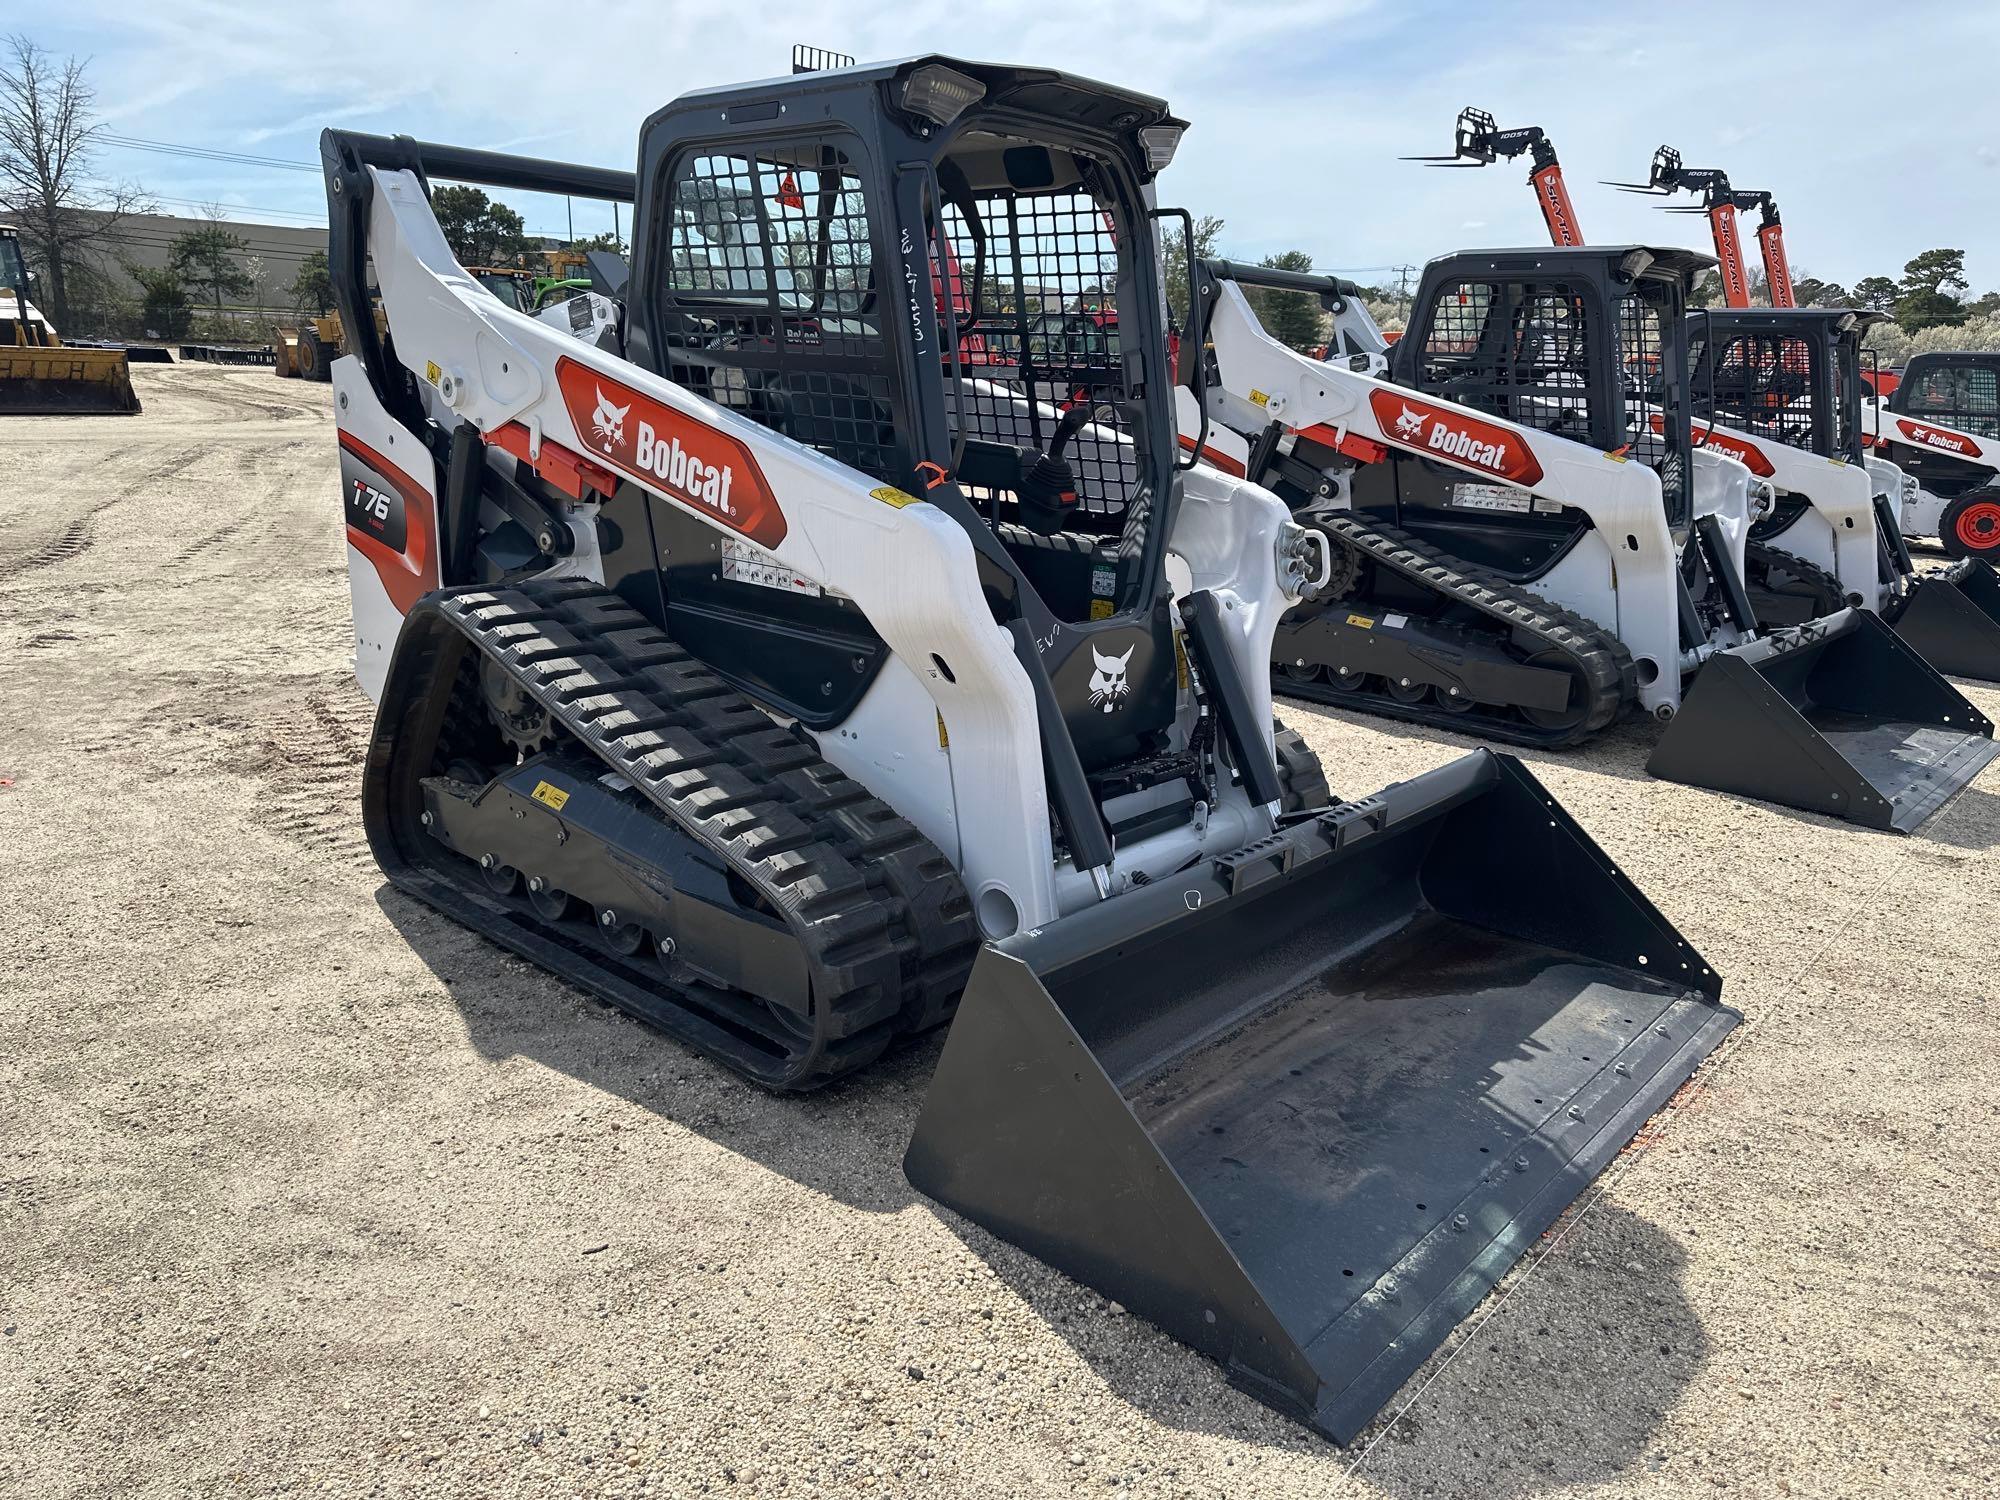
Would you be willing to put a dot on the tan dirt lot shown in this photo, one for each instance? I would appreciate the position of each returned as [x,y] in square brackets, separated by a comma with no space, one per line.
[305,1190]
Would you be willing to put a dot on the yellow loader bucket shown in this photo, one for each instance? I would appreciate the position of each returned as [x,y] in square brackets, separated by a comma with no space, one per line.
[285,353]
[65,379]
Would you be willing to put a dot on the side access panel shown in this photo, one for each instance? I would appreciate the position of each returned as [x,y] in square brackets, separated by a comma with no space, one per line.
[388,490]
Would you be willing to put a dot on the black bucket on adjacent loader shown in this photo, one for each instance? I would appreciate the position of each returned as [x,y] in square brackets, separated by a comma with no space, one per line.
[1840,716]
[1312,1108]
[1952,619]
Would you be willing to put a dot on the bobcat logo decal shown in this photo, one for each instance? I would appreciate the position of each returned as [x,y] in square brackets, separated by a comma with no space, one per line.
[1409,424]
[1108,687]
[607,423]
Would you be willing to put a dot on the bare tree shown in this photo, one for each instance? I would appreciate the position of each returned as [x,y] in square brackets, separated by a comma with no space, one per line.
[47,129]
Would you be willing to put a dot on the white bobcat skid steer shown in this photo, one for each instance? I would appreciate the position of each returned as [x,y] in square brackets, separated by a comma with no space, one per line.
[1530,538]
[1941,427]
[1778,389]
[1787,382]
[838,649]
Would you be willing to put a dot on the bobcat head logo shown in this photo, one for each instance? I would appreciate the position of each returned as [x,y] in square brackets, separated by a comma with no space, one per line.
[607,423]
[1108,687]
[1409,424]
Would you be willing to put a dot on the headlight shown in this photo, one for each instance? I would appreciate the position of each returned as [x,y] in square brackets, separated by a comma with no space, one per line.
[941,94]
[1160,142]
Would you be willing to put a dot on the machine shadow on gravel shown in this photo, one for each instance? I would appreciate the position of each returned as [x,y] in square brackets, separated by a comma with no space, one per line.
[845,1141]
[1520,1389]
[1971,822]
[1619,752]
[1566,1385]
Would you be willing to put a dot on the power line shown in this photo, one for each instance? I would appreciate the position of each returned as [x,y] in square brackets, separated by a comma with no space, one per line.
[248,208]
[161,238]
[205,153]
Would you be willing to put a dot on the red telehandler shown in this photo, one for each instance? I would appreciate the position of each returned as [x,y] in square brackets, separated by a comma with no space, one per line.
[1720,204]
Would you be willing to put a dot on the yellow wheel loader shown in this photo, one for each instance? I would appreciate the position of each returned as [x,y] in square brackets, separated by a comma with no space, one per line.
[814,648]
[39,373]
[307,350]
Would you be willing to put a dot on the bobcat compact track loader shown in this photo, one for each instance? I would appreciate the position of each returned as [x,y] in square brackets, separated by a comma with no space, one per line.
[1787,382]
[1528,540]
[1941,427]
[39,373]
[1829,542]
[1944,432]
[752,661]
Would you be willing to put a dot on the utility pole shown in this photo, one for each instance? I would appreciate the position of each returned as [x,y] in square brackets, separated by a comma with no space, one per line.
[617,235]
[570,209]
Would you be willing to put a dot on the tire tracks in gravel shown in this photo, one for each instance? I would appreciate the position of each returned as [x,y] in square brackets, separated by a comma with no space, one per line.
[77,537]
[309,758]
[275,469]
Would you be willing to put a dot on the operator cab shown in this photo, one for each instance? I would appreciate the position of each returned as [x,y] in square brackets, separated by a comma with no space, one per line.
[1584,343]
[1789,374]
[942,274]
[1959,390]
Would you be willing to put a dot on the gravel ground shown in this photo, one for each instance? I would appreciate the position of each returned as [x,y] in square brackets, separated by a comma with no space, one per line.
[304,1189]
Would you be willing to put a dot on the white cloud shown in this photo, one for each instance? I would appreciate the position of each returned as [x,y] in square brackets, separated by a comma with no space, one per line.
[1299,107]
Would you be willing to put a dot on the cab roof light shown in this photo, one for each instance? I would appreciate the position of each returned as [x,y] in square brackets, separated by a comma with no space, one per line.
[1159,143]
[1635,263]
[940,94]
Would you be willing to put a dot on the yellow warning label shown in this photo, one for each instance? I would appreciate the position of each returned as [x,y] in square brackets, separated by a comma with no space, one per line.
[1362,620]
[888,494]
[1180,662]
[1838,463]
[431,371]
[1100,609]
[1618,456]
[1258,398]
[944,737]
[549,796]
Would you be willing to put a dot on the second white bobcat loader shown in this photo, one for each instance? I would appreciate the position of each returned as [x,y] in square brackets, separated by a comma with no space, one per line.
[1787,382]
[1778,390]
[768,654]
[1529,538]
[1941,426]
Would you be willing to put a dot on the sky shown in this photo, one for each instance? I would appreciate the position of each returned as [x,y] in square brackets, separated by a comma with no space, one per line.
[1867,121]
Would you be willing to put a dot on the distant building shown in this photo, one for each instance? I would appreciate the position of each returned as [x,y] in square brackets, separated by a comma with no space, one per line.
[273,256]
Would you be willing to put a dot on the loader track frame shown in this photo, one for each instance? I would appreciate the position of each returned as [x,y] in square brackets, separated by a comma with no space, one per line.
[1598,660]
[878,913]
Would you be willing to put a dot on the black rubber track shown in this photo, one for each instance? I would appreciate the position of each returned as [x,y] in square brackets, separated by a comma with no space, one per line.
[1601,659]
[882,918]
[1810,581]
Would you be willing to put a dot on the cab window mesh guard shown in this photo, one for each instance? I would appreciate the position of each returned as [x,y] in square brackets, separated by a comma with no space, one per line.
[1961,397]
[1519,350]
[1046,338]
[1764,384]
[770,302]
[1655,429]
